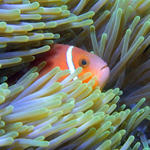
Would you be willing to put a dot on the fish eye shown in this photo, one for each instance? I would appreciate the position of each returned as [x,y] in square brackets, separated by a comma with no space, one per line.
[83,63]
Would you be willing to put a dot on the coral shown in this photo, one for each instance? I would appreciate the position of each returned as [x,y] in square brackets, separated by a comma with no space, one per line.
[50,113]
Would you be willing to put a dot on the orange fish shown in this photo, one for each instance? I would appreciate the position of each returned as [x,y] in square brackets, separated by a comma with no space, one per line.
[71,57]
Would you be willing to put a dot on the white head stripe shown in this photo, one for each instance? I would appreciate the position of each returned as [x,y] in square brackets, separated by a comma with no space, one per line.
[70,61]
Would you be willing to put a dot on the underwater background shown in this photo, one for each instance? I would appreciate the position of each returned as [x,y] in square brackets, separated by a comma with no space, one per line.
[47,113]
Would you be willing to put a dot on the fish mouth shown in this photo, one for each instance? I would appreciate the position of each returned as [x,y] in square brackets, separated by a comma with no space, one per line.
[104,67]
[105,72]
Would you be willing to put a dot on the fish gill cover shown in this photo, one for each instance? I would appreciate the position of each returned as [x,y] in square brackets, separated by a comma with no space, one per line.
[48,114]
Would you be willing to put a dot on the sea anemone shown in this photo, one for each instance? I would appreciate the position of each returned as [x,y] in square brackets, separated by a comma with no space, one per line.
[26,27]
[47,113]
[120,35]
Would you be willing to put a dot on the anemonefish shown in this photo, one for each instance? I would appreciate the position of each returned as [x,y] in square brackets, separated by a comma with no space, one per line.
[71,57]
